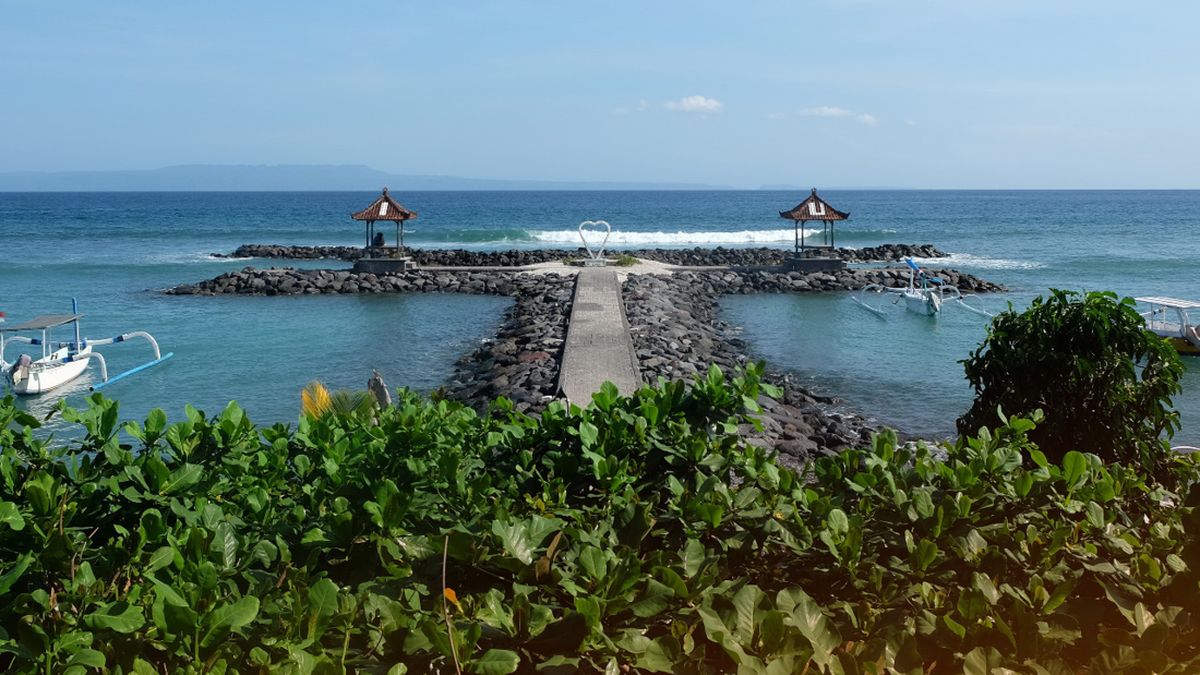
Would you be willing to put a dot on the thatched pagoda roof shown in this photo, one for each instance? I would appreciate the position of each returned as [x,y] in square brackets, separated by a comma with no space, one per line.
[814,208]
[385,208]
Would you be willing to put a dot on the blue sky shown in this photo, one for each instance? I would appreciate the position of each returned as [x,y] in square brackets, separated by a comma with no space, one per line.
[938,93]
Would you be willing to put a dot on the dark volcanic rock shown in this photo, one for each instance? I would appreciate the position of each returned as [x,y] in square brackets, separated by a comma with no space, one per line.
[889,253]
[294,252]
[426,257]
[521,362]
[671,346]
[703,257]
[766,256]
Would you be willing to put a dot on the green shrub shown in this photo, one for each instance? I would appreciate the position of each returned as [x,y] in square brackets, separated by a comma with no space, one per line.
[626,260]
[1076,358]
[639,533]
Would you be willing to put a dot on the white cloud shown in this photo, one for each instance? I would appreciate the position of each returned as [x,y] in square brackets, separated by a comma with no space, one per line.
[642,106]
[826,111]
[866,119]
[701,104]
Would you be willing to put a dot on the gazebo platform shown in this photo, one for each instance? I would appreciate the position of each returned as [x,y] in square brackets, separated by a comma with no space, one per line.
[813,264]
[383,265]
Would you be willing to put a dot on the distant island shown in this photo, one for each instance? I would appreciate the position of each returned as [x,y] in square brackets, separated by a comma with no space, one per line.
[289,177]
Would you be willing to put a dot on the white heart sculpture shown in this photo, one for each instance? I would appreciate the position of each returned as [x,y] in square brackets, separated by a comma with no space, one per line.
[595,226]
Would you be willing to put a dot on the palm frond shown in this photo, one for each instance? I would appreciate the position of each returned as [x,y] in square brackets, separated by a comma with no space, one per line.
[315,400]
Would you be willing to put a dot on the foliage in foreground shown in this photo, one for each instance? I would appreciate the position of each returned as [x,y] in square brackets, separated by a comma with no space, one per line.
[1076,358]
[637,534]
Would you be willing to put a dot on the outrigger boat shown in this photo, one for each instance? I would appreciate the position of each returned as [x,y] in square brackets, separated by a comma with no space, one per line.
[61,362]
[924,294]
[1168,318]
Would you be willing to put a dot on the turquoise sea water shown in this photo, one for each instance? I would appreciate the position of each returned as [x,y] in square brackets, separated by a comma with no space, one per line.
[114,251]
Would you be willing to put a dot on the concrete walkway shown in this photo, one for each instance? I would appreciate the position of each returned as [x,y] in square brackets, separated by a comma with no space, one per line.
[598,346]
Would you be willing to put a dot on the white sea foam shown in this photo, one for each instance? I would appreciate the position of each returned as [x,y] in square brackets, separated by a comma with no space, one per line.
[185,258]
[981,262]
[620,238]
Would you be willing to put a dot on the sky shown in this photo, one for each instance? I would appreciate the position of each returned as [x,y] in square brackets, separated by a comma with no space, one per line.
[837,93]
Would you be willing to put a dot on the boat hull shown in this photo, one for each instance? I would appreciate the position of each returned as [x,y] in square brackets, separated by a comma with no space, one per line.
[1184,347]
[47,378]
[921,303]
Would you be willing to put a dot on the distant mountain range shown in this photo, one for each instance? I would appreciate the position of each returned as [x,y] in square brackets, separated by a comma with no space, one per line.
[798,188]
[284,177]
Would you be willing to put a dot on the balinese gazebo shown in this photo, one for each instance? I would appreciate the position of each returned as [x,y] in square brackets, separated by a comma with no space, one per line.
[385,208]
[814,208]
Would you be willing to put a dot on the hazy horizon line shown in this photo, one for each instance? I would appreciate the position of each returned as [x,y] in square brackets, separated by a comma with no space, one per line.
[282,173]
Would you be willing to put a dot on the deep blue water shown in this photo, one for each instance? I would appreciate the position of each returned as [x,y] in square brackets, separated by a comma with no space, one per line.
[115,250]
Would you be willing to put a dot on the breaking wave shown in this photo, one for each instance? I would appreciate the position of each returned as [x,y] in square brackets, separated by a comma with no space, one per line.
[679,238]
[981,262]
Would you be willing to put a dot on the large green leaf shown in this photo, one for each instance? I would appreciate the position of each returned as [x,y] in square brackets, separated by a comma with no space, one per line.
[807,616]
[658,657]
[10,516]
[693,557]
[981,661]
[514,537]
[12,575]
[182,478]
[745,603]
[120,617]
[1074,465]
[161,557]
[226,544]
[594,562]
[87,657]
[496,662]
[323,598]
[588,434]
[654,600]
[227,618]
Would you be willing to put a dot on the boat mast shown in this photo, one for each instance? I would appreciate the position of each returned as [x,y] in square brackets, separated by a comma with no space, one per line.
[75,311]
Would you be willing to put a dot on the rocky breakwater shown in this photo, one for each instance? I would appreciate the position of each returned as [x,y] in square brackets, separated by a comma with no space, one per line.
[286,252]
[677,334]
[510,258]
[765,256]
[520,362]
[292,281]
[733,282]
[694,257]
[889,253]
[456,257]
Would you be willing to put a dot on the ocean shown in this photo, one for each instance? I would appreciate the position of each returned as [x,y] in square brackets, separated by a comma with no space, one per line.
[114,252]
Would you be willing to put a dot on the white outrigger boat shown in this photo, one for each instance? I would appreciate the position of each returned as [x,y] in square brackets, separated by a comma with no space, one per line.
[924,295]
[1168,318]
[61,362]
